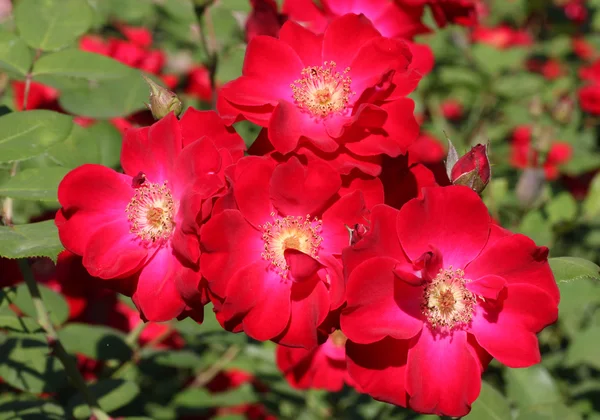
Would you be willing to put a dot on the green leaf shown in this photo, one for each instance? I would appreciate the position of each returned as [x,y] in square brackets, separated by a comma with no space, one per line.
[25,364]
[32,240]
[99,143]
[15,55]
[519,85]
[490,405]
[52,24]
[531,386]
[25,407]
[591,204]
[7,294]
[132,11]
[567,269]
[492,60]
[16,325]
[97,342]
[55,303]
[584,348]
[562,208]
[34,184]
[536,226]
[231,63]
[177,359]
[549,412]
[112,394]
[29,133]
[107,99]
[198,398]
[73,64]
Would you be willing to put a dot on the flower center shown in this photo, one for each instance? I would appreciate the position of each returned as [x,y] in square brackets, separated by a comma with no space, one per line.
[300,233]
[150,213]
[322,91]
[447,303]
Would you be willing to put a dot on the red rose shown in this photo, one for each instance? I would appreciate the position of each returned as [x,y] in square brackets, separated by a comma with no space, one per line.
[271,256]
[461,12]
[472,170]
[264,19]
[140,228]
[333,93]
[429,306]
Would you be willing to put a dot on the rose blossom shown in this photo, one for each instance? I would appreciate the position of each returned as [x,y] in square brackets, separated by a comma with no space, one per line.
[139,229]
[334,93]
[434,291]
[272,254]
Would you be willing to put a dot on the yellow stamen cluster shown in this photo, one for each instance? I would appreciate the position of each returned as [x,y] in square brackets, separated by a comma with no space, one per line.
[447,303]
[322,91]
[300,233]
[151,213]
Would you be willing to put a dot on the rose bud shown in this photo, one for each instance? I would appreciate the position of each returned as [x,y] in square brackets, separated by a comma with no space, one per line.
[471,170]
[162,100]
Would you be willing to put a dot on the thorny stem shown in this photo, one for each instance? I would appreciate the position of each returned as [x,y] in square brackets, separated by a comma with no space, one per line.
[58,349]
[206,376]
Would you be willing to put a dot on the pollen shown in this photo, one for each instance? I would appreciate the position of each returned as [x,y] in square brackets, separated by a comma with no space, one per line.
[322,90]
[290,232]
[151,213]
[447,303]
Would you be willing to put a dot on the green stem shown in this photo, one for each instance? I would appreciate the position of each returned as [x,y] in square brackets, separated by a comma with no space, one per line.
[58,349]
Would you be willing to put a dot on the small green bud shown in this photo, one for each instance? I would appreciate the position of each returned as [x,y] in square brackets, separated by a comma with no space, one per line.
[162,100]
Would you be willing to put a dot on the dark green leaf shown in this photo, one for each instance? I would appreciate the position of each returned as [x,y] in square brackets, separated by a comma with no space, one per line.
[52,24]
[25,407]
[32,240]
[15,325]
[562,208]
[25,363]
[29,133]
[178,359]
[549,412]
[584,348]
[98,342]
[55,303]
[112,394]
[15,55]
[197,398]
[34,184]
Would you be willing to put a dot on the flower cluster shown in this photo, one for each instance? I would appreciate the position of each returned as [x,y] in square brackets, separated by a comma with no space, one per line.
[335,235]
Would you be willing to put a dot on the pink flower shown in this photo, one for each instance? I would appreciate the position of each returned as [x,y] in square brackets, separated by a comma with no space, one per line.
[339,93]
[140,229]
[434,291]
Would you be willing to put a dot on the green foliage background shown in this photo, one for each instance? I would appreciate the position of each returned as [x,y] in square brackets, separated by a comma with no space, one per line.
[39,42]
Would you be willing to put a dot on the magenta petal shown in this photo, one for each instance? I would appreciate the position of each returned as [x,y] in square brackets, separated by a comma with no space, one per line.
[488,286]
[380,305]
[452,219]
[443,377]
[507,328]
[260,297]
[113,251]
[156,295]
[301,266]
[152,150]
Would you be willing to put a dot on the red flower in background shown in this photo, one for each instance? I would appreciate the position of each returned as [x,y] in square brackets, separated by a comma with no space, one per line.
[333,95]
[461,12]
[428,307]
[272,259]
[501,37]
[199,85]
[323,367]
[40,96]
[452,109]
[141,227]
[523,155]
